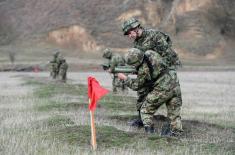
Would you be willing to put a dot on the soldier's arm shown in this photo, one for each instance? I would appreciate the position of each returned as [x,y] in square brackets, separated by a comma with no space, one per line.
[159,63]
[142,78]
[113,64]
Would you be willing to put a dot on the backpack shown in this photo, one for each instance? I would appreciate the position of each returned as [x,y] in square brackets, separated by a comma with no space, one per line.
[156,64]
[170,54]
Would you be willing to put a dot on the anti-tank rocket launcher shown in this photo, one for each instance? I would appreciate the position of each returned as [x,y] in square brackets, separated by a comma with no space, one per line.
[125,69]
[120,69]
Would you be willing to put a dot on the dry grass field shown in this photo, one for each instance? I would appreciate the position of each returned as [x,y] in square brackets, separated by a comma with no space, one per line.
[41,116]
[45,117]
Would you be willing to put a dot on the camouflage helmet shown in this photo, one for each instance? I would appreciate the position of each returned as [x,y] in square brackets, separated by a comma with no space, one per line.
[134,57]
[56,53]
[130,24]
[61,58]
[107,53]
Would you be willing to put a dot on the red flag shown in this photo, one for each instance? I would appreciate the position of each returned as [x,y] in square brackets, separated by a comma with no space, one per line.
[95,92]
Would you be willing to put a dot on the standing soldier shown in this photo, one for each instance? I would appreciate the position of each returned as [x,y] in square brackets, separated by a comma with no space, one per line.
[63,70]
[162,87]
[114,61]
[54,65]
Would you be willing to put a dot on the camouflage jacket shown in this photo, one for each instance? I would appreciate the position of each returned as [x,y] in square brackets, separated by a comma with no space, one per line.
[64,66]
[116,60]
[56,60]
[159,42]
[145,77]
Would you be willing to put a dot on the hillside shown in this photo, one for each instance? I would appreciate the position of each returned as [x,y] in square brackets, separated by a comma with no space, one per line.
[203,29]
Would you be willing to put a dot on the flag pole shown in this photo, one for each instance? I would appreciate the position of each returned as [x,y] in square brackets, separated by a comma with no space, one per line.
[93,132]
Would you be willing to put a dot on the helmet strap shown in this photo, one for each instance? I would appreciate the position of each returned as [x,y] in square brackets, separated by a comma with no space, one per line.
[139,31]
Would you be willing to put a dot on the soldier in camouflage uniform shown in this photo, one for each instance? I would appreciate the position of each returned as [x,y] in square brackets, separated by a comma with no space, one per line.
[115,60]
[54,65]
[162,87]
[63,70]
[150,39]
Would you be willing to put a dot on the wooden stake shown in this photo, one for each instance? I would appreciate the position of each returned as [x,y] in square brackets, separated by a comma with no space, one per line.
[93,134]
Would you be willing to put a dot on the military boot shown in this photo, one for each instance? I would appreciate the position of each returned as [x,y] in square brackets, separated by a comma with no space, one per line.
[169,132]
[149,129]
[136,123]
[166,129]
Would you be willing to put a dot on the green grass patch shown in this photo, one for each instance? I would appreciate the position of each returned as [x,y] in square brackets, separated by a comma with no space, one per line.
[225,124]
[52,89]
[54,122]
[58,120]
[32,82]
[118,103]
[110,137]
[60,106]
[49,105]
[47,89]
[107,136]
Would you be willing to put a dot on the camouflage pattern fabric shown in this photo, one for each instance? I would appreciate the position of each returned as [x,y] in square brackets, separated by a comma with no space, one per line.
[53,69]
[118,85]
[141,96]
[166,91]
[107,53]
[161,43]
[55,65]
[163,90]
[116,60]
[59,61]
[139,84]
[63,71]
[130,24]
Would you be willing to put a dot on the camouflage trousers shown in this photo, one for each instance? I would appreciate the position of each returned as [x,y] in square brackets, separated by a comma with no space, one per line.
[166,91]
[141,96]
[119,85]
[63,75]
[54,70]
[63,72]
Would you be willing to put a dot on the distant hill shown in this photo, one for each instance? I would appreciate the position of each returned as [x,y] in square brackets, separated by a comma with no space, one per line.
[201,28]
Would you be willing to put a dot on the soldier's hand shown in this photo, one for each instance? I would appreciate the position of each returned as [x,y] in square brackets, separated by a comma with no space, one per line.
[122,76]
